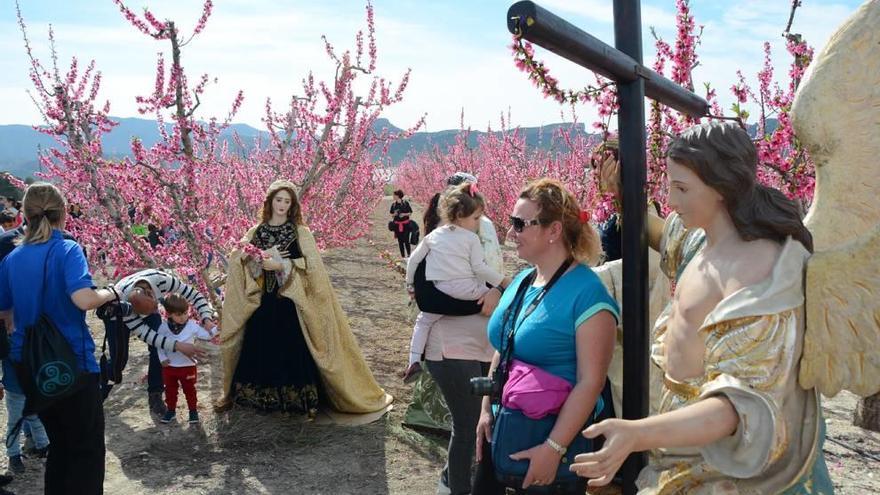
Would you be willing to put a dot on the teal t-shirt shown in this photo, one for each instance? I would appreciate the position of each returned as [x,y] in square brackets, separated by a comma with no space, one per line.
[547,337]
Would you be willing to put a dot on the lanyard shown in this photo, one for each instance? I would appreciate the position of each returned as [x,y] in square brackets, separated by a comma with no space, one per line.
[516,306]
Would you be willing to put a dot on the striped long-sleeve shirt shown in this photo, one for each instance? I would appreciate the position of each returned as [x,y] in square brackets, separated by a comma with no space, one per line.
[162,284]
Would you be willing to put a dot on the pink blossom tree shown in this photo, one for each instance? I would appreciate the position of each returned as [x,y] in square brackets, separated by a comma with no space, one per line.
[191,180]
[328,142]
[503,163]
[508,164]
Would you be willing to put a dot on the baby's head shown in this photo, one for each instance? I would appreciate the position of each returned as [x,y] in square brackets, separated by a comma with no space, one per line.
[462,205]
[177,308]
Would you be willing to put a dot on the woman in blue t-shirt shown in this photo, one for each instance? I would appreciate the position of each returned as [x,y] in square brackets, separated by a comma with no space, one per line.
[75,423]
[561,323]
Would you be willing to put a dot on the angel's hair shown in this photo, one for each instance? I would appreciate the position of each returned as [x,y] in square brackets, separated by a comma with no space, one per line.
[724,158]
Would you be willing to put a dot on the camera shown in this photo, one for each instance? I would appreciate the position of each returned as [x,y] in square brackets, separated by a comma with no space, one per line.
[113,309]
[491,386]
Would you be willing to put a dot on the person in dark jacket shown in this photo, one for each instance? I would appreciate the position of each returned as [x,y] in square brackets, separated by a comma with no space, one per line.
[400,212]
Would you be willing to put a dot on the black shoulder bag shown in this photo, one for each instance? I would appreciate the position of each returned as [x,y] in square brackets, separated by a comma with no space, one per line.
[49,370]
[413,233]
[433,300]
[113,365]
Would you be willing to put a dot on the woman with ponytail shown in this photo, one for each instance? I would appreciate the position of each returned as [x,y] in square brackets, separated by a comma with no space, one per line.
[48,274]
[553,331]
[732,416]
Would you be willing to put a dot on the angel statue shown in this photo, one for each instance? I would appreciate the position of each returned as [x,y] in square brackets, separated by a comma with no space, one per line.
[768,311]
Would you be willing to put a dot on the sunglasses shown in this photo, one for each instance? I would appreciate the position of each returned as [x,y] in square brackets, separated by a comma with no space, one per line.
[519,224]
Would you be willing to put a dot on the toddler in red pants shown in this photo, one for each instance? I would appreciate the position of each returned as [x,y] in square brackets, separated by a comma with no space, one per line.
[177,368]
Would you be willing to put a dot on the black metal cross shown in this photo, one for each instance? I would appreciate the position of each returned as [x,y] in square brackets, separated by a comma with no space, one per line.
[623,65]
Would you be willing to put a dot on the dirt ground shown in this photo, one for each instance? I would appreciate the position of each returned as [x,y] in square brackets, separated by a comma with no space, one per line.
[244,452]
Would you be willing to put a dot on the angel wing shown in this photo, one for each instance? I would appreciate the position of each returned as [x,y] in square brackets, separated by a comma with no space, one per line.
[836,114]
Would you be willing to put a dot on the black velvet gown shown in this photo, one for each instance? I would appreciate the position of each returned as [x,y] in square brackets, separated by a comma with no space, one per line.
[276,370]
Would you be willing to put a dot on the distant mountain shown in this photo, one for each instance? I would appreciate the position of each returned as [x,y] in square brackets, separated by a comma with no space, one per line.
[535,137]
[19,143]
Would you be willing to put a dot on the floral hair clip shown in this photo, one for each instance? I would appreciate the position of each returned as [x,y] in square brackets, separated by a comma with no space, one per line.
[584,216]
[473,190]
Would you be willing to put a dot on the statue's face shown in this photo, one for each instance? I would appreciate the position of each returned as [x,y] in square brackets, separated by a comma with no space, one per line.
[696,202]
[281,203]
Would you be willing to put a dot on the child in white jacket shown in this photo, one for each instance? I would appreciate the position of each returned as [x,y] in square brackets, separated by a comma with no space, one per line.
[177,368]
[455,262]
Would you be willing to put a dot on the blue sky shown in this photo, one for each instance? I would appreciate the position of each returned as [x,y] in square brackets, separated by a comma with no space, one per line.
[458,50]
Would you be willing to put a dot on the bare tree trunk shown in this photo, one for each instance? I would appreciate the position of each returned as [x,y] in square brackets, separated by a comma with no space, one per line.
[185,217]
[867,413]
[107,196]
[181,112]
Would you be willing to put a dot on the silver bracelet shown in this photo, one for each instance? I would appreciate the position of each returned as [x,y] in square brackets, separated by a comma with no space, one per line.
[555,446]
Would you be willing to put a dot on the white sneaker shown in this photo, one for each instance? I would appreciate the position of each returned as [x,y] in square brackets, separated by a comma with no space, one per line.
[442,489]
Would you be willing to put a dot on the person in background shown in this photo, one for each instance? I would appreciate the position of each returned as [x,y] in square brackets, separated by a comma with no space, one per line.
[34,431]
[7,220]
[400,212]
[75,211]
[155,236]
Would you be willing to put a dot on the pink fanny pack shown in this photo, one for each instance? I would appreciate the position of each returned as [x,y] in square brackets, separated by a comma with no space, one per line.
[534,391]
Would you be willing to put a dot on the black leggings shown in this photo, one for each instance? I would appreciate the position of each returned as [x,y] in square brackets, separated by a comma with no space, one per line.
[75,425]
[403,244]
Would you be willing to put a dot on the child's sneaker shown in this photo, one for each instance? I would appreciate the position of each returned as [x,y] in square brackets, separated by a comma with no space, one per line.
[29,445]
[168,417]
[16,465]
[412,373]
[193,417]
[41,453]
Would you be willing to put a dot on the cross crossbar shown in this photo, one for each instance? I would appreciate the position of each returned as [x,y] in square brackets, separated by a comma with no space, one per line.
[544,28]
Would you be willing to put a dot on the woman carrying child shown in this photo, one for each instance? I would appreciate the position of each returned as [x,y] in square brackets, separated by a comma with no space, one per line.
[456,351]
[455,262]
[400,212]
